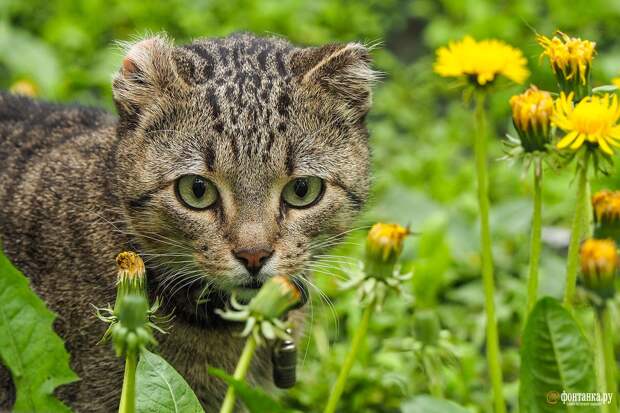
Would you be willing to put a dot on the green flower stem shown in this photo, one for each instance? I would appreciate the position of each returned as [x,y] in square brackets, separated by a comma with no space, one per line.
[578,230]
[493,357]
[599,361]
[434,383]
[128,394]
[607,349]
[358,337]
[532,280]
[240,371]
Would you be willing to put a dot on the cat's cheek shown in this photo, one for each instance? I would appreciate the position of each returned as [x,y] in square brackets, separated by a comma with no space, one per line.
[328,215]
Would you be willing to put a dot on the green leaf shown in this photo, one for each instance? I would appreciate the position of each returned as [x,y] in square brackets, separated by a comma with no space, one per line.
[254,399]
[429,404]
[30,349]
[161,389]
[556,357]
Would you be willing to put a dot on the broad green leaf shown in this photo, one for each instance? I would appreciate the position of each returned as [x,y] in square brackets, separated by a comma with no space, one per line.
[254,399]
[161,389]
[30,349]
[555,357]
[429,404]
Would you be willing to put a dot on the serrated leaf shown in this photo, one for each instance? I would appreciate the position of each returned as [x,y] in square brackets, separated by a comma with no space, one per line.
[161,389]
[429,404]
[29,347]
[555,357]
[254,399]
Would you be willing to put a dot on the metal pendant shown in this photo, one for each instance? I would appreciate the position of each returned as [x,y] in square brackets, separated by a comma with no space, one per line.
[284,360]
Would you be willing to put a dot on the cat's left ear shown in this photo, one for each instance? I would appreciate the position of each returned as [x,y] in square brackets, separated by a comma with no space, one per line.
[147,71]
[343,70]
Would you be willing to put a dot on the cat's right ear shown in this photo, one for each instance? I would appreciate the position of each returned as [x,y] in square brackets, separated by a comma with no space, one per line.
[147,71]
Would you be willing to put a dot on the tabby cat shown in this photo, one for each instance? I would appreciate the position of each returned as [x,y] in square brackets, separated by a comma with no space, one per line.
[228,162]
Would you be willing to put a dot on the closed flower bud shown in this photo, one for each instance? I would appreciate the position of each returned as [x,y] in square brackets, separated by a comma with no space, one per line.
[25,88]
[383,248]
[132,332]
[278,295]
[606,206]
[531,115]
[599,264]
[571,62]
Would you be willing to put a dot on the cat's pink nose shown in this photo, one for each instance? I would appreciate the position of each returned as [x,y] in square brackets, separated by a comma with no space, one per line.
[253,258]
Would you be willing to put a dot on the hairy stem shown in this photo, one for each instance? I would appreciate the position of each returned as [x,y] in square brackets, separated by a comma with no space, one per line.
[240,371]
[532,280]
[358,337]
[578,230]
[493,356]
[128,394]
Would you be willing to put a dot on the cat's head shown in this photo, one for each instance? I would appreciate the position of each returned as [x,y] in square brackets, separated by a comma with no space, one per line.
[237,154]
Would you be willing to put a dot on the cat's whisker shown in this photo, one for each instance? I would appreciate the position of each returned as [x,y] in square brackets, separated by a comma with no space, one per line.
[168,280]
[318,247]
[158,234]
[341,234]
[336,256]
[331,274]
[204,294]
[190,279]
[323,298]
[331,266]
[333,261]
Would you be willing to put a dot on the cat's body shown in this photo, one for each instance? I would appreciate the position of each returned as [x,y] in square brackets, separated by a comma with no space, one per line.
[79,185]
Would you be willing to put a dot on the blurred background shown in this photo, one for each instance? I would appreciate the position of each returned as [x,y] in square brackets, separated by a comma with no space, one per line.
[421,137]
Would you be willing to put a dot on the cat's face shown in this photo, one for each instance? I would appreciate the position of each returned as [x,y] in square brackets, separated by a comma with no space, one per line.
[238,154]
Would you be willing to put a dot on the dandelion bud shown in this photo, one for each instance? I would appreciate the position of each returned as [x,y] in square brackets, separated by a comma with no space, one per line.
[531,115]
[132,332]
[278,295]
[24,88]
[606,206]
[131,276]
[599,264]
[571,62]
[383,247]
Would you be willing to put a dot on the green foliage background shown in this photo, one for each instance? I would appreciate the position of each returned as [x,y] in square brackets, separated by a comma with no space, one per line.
[422,145]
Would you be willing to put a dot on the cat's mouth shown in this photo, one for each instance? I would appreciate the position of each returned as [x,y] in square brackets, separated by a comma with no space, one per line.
[252,285]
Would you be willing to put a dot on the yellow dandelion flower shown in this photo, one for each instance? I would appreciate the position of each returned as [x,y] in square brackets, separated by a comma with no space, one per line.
[569,55]
[593,120]
[383,247]
[599,264]
[481,61]
[531,114]
[571,60]
[386,239]
[616,82]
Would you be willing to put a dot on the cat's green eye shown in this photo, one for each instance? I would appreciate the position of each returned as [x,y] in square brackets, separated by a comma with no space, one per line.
[302,192]
[196,192]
